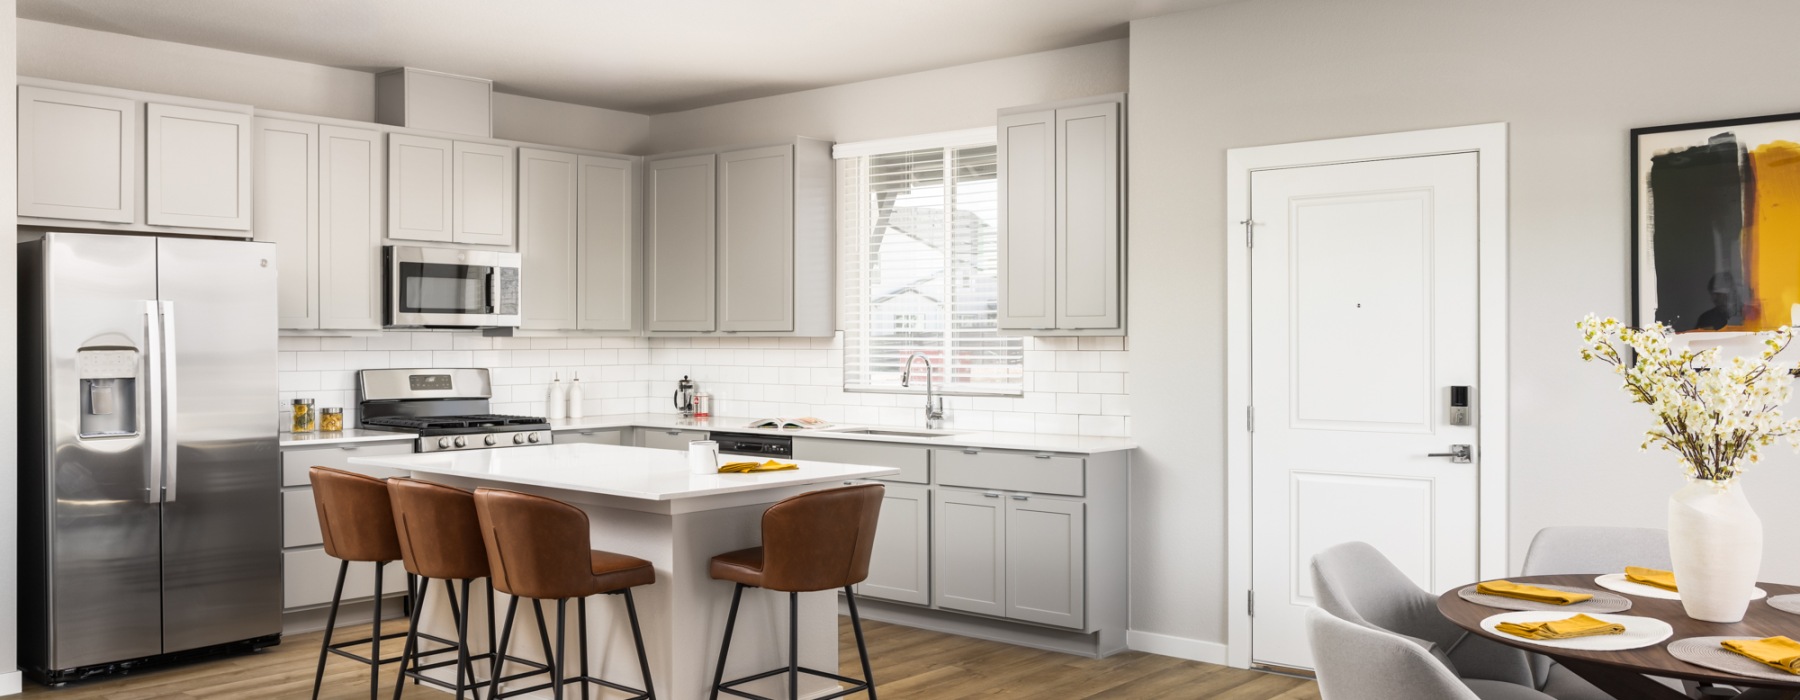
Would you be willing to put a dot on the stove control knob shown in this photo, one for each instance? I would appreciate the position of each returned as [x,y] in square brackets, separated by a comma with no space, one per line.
[532,437]
[461,442]
[518,438]
[490,441]
[443,443]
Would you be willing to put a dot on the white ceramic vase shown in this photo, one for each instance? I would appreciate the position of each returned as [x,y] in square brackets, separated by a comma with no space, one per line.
[1716,544]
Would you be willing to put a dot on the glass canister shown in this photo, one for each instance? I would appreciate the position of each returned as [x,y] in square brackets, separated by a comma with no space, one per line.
[331,420]
[304,420]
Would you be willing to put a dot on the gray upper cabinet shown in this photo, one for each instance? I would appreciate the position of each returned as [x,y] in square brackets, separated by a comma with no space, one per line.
[287,214]
[1027,169]
[77,156]
[197,168]
[679,228]
[1061,225]
[547,234]
[351,163]
[756,239]
[484,180]
[608,248]
[419,179]
[1046,560]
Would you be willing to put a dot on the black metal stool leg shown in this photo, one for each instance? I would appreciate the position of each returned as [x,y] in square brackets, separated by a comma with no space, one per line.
[375,639]
[581,646]
[412,639]
[737,594]
[337,595]
[465,671]
[793,646]
[562,636]
[637,635]
[512,608]
[861,648]
[555,664]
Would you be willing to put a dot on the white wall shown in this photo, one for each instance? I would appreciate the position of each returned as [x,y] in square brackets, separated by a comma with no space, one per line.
[1571,78]
[946,99]
[77,55]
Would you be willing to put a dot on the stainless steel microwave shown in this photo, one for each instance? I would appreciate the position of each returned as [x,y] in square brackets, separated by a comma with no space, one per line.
[451,288]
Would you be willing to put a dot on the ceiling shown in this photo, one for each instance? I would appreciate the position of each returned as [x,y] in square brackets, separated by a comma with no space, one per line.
[647,56]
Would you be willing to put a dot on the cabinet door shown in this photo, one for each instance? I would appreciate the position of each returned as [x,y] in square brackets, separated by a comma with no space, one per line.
[350,167]
[418,188]
[678,246]
[900,565]
[197,168]
[607,244]
[1046,560]
[756,239]
[483,194]
[309,574]
[668,438]
[1027,168]
[1087,217]
[77,156]
[547,214]
[287,214]
[968,551]
[611,436]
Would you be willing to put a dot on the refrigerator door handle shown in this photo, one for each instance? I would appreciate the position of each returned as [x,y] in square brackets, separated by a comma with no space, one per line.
[153,390]
[171,466]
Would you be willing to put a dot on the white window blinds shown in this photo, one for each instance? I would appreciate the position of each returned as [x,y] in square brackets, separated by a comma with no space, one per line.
[919,238]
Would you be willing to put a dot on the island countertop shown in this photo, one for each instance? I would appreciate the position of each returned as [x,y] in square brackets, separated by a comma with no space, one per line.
[639,473]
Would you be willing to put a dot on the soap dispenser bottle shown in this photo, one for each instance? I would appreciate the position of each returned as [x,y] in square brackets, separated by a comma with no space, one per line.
[558,399]
[575,397]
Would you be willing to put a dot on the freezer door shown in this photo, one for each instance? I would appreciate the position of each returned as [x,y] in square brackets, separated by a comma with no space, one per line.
[222,486]
[91,575]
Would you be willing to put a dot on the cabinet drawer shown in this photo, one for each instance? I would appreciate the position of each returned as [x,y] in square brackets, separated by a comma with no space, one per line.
[299,519]
[589,437]
[668,438]
[1011,471]
[914,463]
[296,460]
[308,575]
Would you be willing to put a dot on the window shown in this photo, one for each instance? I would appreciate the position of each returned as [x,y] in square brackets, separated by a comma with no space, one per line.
[919,235]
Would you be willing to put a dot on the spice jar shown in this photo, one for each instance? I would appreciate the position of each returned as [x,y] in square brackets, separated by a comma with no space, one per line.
[331,420]
[303,416]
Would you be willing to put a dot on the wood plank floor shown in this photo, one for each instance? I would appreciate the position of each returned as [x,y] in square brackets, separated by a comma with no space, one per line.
[910,664]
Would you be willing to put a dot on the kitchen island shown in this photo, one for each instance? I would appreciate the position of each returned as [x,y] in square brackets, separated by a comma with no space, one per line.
[644,502]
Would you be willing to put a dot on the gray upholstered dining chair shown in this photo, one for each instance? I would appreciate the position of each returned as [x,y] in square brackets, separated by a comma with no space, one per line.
[1356,583]
[1357,662]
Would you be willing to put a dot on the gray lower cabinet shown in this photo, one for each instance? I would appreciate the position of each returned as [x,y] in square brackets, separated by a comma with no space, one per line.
[900,567]
[1045,560]
[969,551]
[597,436]
[308,574]
[668,438]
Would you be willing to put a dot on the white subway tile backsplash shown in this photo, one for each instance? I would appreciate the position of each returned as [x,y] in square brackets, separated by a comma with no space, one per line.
[432,340]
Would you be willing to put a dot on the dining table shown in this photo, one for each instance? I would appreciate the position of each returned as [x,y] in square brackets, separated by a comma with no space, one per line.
[1623,674]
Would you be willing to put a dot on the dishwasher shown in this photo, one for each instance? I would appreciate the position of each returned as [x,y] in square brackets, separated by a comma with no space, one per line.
[753,445]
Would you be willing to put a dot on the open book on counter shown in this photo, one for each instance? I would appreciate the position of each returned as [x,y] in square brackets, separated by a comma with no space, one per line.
[806,423]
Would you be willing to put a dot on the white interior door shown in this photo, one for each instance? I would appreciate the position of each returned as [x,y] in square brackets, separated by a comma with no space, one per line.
[1363,317]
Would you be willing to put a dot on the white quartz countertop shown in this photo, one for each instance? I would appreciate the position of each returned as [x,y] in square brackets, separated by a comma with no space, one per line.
[947,437]
[625,472]
[339,437]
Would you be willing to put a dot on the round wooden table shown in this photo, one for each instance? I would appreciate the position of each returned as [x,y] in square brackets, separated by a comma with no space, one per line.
[1621,673]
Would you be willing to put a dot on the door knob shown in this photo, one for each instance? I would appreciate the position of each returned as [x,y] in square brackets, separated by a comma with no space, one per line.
[1458,454]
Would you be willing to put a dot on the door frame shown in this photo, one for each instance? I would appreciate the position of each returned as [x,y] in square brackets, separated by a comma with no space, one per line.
[1489,143]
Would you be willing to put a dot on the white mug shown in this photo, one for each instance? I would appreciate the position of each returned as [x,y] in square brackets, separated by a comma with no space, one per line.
[703,457]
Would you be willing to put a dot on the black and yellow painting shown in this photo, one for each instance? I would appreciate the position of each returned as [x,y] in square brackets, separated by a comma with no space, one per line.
[1717,225]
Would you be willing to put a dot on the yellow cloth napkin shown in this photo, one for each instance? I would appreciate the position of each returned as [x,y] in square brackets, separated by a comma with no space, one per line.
[1780,652]
[1508,589]
[747,467]
[1651,577]
[1577,626]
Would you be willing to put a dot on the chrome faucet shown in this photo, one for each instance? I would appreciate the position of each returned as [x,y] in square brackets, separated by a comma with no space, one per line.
[934,404]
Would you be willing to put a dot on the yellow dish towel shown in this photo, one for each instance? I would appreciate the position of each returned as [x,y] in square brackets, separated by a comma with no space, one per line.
[1780,652]
[748,467]
[1577,626]
[1508,589]
[1651,577]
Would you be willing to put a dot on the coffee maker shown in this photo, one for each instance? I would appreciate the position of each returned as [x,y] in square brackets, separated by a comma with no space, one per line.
[684,396]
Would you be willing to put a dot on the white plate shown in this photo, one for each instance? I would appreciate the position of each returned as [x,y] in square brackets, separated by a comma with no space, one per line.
[1640,632]
[1618,583]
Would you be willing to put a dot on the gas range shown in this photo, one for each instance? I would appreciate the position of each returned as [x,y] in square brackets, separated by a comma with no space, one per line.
[446,408]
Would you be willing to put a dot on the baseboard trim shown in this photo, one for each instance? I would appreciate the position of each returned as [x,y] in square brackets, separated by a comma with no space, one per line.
[12,683]
[1178,647]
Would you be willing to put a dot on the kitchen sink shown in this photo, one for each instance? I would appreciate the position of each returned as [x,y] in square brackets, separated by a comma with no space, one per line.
[890,433]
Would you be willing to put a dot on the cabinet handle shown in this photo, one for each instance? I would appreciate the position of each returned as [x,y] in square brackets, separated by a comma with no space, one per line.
[674,432]
[991,494]
[1042,456]
[1021,497]
[346,447]
[587,432]
[971,450]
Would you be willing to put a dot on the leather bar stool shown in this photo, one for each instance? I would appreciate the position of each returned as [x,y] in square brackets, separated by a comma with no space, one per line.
[815,541]
[537,548]
[440,538]
[357,524]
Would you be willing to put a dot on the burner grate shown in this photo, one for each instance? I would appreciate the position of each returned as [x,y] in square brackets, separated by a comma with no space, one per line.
[442,422]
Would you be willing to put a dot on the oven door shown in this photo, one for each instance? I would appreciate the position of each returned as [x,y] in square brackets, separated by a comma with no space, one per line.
[449,288]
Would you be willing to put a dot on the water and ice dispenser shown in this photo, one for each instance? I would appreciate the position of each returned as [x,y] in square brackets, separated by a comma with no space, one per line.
[109,386]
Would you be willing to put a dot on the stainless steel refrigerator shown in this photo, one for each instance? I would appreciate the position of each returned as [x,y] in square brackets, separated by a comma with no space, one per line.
[149,476]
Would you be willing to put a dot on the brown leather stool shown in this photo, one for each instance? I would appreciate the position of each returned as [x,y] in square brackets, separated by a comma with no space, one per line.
[537,548]
[811,542]
[440,538]
[357,524]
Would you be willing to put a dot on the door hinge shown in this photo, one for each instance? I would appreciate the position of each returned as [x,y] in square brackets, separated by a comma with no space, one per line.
[1251,597]
[1249,233]
[1250,418]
